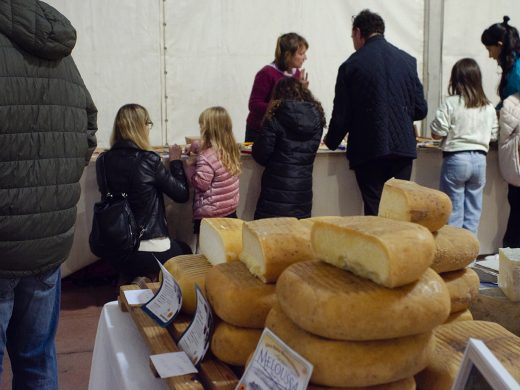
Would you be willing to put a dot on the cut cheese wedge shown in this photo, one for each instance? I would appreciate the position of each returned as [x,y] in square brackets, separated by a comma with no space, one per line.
[189,270]
[337,304]
[404,200]
[452,340]
[237,296]
[233,344]
[271,245]
[403,384]
[220,239]
[354,363]
[464,315]
[390,253]
[455,248]
[463,287]
[509,272]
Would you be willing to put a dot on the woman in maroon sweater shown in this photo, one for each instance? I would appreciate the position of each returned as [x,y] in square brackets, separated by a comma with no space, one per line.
[288,59]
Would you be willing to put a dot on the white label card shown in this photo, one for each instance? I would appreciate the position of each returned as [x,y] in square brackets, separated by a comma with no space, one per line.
[275,366]
[173,364]
[138,297]
[195,340]
[166,304]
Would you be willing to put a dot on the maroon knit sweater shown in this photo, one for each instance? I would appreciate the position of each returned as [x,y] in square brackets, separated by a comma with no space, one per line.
[265,80]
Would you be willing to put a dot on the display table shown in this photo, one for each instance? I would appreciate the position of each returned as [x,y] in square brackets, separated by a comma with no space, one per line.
[121,358]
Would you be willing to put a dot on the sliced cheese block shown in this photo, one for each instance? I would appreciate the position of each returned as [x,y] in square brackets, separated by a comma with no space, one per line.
[408,201]
[390,253]
[233,344]
[189,270]
[509,272]
[464,315]
[271,245]
[403,384]
[455,248]
[354,363]
[237,296]
[463,287]
[220,239]
[337,304]
[452,339]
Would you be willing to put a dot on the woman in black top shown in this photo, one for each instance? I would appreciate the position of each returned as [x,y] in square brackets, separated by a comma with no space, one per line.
[133,168]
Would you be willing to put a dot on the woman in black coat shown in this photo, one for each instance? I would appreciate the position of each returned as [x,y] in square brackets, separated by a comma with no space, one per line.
[131,167]
[287,145]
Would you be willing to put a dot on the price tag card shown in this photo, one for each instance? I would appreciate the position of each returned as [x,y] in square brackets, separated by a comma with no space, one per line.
[138,297]
[173,364]
[195,340]
[275,366]
[166,304]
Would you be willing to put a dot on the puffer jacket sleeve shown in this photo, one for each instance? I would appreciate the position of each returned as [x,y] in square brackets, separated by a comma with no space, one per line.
[92,126]
[204,173]
[263,147]
[172,183]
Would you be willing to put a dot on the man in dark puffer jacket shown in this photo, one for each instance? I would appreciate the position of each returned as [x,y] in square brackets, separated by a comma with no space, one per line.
[47,127]
[378,96]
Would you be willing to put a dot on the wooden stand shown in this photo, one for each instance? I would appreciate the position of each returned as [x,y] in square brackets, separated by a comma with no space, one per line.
[213,374]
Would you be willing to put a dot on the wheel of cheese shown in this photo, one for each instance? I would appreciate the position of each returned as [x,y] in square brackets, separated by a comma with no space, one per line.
[404,200]
[271,245]
[464,315]
[354,363]
[403,384]
[188,271]
[463,287]
[337,304]
[220,239]
[237,296]
[390,253]
[451,342]
[455,248]
[233,344]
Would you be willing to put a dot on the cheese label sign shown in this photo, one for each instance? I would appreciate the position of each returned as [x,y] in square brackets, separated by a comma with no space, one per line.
[275,366]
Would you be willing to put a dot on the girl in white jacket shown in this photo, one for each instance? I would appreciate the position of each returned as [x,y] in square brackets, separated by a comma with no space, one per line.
[466,122]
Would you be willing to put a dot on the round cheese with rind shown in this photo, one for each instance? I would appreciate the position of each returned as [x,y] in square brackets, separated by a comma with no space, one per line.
[237,296]
[354,363]
[455,248]
[390,253]
[463,286]
[405,200]
[233,344]
[464,315]
[403,384]
[337,304]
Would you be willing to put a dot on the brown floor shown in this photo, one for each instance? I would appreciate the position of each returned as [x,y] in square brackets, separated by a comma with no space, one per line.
[83,296]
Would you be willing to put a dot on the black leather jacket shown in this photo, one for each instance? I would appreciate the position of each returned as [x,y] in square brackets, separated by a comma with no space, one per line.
[142,175]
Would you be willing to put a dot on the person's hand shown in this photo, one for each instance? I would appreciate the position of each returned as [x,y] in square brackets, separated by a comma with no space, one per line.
[195,147]
[174,152]
[304,78]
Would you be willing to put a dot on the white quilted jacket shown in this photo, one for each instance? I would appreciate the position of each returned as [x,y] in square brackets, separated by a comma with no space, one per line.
[509,140]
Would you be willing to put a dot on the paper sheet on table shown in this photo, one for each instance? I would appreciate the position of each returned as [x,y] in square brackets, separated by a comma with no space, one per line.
[173,364]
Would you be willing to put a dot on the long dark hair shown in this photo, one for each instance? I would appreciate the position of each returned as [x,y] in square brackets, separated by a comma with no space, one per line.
[508,36]
[289,88]
[466,81]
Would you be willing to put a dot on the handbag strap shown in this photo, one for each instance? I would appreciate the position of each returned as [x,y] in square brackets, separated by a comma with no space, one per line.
[104,176]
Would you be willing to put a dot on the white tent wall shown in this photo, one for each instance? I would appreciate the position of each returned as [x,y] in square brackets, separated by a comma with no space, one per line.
[212,51]
[464,22]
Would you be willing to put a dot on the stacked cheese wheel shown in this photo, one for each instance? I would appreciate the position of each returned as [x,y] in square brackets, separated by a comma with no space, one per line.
[366,318]
[455,248]
[242,292]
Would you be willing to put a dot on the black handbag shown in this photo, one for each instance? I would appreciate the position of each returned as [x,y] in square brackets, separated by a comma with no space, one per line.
[114,228]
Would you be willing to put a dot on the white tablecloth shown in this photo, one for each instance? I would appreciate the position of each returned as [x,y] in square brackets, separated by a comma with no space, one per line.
[121,358]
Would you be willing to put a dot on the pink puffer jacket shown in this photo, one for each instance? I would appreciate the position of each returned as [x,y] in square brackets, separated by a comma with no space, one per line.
[216,191]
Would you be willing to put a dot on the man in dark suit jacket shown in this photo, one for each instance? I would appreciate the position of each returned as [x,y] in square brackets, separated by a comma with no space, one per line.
[378,96]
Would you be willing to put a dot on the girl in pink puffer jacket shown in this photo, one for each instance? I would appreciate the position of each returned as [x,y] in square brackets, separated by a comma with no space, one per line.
[214,172]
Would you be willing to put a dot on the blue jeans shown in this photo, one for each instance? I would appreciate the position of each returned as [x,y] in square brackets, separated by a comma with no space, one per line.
[463,177]
[29,311]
